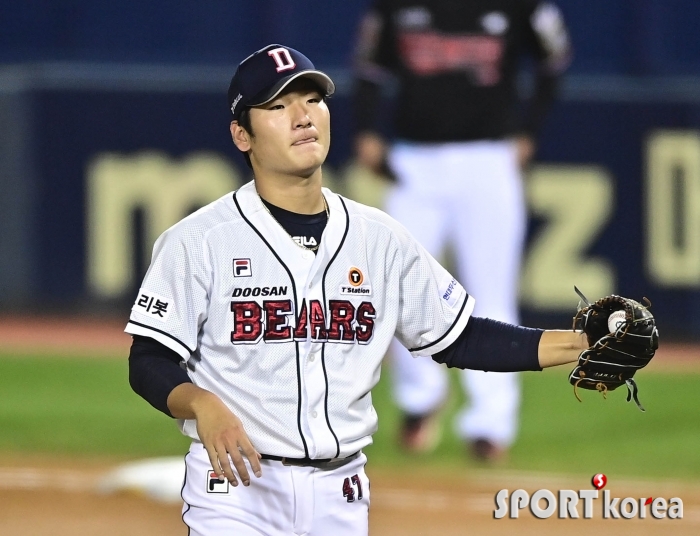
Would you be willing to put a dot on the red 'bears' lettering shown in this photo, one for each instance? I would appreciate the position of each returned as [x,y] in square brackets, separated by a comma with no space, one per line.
[247,322]
[271,321]
[317,321]
[365,322]
[277,327]
[301,332]
[342,314]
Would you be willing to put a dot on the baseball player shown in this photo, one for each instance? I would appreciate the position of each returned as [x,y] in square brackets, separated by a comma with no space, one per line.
[457,160]
[264,317]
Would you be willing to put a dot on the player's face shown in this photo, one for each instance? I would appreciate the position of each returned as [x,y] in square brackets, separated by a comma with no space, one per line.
[291,132]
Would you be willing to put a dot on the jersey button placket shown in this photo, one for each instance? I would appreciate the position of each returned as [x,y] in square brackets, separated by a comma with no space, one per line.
[320,439]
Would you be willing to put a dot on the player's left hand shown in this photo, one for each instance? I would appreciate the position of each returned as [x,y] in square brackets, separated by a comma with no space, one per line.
[370,151]
[616,351]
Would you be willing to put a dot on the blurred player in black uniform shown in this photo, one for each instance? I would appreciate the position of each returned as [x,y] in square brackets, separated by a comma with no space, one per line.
[460,145]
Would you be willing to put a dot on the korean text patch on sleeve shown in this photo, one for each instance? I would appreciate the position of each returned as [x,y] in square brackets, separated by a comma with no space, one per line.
[152,305]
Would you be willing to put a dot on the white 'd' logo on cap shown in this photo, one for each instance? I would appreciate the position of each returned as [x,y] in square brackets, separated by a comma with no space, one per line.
[282,58]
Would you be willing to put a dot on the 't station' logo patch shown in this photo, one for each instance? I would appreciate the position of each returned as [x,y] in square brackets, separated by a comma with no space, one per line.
[355,277]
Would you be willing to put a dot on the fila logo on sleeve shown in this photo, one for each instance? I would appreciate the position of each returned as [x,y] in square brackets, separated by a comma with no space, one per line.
[242,268]
[282,58]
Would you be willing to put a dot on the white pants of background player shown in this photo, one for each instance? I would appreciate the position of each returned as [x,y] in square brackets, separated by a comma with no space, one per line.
[470,195]
[285,501]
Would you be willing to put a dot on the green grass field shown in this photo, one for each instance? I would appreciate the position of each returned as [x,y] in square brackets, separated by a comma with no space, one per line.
[85,407]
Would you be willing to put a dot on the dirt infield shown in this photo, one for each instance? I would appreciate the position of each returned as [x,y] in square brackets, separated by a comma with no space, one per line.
[22,335]
[56,496]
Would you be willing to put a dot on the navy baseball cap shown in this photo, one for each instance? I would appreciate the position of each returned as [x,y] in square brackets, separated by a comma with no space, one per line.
[264,74]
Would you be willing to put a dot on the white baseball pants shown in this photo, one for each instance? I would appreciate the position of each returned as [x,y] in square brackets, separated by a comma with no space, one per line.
[468,195]
[285,501]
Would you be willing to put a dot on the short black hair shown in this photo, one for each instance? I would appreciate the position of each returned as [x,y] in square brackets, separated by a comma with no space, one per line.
[244,123]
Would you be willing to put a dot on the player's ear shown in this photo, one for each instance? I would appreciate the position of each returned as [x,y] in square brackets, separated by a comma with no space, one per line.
[240,137]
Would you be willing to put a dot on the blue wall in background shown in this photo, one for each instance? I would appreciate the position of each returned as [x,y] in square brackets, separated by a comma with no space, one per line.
[630,37]
[72,128]
[163,31]
[636,70]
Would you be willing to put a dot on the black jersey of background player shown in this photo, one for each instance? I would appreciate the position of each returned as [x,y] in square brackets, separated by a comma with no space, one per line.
[457,63]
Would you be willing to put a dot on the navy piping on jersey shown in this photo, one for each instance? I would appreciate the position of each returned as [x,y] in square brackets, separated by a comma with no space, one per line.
[325,400]
[466,299]
[164,333]
[303,439]
[323,348]
[296,308]
[184,483]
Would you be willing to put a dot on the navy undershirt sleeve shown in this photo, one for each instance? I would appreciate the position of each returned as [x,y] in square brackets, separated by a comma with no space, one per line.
[493,346]
[154,371]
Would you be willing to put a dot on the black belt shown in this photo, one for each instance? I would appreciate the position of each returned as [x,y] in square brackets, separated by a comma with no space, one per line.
[318,463]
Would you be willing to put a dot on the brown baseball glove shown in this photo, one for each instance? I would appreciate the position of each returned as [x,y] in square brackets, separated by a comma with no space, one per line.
[613,357]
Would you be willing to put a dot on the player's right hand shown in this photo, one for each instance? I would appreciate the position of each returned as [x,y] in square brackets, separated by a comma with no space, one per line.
[525,148]
[225,440]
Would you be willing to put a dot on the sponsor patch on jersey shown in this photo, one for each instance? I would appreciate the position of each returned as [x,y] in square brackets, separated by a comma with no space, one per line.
[216,484]
[153,305]
[242,268]
[364,290]
[355,277]
[450,291]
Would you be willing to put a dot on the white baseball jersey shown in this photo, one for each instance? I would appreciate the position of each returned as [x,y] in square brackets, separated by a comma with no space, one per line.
[292,342]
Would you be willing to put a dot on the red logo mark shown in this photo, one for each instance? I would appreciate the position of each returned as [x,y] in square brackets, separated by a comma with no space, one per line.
[599,481]
[648,501]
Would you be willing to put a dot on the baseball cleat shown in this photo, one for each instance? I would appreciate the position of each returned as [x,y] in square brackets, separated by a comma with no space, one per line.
[420,434]
[485,450]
